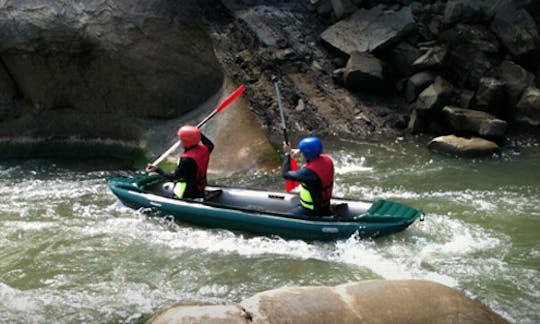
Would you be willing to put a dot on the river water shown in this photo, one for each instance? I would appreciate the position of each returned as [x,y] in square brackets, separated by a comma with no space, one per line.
[69,252]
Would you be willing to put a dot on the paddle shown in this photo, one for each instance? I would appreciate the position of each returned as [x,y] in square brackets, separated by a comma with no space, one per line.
[232,97]
[289,184]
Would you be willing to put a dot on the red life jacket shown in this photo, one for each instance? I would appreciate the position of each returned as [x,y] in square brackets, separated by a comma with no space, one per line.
[201,155]
[324,168]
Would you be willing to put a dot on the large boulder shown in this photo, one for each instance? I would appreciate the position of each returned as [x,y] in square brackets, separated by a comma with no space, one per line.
[364,72]
[466,65]
[468,121]
[433,98]
[472,52]
[528,107]
[149,59]
[416,84]
[201,314]
[516,79]
[469,10]
[368,30]
[517,30]
[373,301]
[401,57]
[489,96]
[463,147]
[478,36]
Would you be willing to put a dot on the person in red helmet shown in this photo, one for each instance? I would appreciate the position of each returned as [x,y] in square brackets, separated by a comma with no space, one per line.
[190,174]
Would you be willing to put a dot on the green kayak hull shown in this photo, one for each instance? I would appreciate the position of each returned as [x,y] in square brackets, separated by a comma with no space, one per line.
[263,212]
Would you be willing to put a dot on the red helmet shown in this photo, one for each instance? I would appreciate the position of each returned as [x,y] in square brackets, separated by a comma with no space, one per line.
[189,135]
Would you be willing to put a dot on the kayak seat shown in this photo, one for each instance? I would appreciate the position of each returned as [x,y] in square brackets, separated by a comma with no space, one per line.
[339,210]
[210,195]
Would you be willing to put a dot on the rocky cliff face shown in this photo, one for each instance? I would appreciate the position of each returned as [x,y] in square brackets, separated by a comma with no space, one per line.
[352,68]
[361,68]
[101,61]
[259,40]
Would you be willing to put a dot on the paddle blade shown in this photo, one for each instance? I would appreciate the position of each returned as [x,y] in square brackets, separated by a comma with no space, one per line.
[231,98]
[289,184]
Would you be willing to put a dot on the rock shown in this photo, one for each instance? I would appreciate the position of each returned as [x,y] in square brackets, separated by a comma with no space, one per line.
[323,7]
[257,18]
[479,123]
[467,65]
[368,30]
[342,7]
[401,57]
[464,98]
[328,106]
[372,301]
[515,78]
[489,96]
[416,84]
[528,107]
[434,97]
[300,106]
[364,72]
[469,10]
[416,124]
[477,36]
[337,75]
[463,147]
[517,30]
[7,94]
[433,58]
[200,314]
[150,59]
[300,305]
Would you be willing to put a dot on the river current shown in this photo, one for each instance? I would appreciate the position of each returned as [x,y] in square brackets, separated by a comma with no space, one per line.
[70,252]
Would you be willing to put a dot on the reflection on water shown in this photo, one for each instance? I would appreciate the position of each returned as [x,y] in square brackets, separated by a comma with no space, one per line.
[70,252]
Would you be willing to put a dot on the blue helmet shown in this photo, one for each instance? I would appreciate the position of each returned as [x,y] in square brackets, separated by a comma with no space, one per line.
[311,147]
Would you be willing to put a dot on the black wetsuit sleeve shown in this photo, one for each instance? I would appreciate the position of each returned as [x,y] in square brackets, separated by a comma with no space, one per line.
[301,175]
[207,142]
[187,169]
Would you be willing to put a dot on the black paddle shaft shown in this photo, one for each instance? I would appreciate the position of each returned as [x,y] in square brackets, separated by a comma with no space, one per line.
[283,126]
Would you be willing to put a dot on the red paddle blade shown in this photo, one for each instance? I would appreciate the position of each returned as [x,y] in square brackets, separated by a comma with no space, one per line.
[231,98]
[289,184]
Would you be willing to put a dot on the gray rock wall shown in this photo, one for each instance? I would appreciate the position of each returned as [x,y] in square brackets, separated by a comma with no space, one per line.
[487,53]
[142,59]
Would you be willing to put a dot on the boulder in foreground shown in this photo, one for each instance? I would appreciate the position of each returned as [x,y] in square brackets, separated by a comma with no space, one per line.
[373,301]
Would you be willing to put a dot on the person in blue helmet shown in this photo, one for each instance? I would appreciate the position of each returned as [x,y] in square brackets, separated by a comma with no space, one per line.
[316,177]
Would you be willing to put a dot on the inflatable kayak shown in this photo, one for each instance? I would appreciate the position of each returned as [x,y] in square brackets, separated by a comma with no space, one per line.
[264,212]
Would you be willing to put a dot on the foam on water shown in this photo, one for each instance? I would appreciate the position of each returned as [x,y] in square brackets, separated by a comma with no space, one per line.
[389,260]
[347,163]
